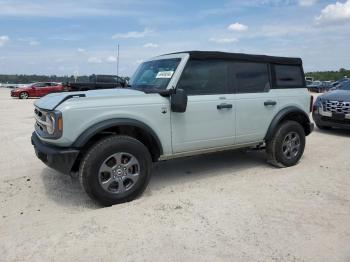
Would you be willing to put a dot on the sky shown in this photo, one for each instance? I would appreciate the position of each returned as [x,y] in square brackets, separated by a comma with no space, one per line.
[80,37]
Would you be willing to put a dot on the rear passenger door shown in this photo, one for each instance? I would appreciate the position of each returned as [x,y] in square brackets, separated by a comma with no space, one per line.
[256,105]
[209,120]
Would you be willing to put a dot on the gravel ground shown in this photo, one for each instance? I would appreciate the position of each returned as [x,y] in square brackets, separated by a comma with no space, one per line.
[228,206]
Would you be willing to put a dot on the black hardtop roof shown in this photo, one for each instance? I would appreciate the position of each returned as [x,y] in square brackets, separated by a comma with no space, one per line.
[242,57]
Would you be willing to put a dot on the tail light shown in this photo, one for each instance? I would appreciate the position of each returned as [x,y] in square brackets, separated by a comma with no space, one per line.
[313,106]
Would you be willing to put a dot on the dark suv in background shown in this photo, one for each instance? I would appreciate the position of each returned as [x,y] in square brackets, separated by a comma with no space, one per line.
[332,109]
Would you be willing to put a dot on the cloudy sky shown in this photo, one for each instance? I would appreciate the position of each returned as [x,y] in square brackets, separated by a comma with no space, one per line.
[67,36]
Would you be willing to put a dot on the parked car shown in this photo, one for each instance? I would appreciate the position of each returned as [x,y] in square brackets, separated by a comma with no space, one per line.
[97,82]
[333,108]
[36,90]
[336,85]
[177,105]
[319,86]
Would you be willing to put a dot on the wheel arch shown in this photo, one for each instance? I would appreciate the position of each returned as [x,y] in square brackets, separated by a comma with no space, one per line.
[289,113]
[122,126]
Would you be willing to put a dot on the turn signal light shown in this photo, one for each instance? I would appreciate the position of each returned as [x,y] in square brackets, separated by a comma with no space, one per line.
[59,124]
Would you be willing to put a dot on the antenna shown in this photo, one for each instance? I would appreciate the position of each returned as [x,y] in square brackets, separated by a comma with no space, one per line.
[117,59]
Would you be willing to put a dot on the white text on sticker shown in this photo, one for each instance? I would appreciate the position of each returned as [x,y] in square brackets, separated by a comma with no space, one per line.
[165,74]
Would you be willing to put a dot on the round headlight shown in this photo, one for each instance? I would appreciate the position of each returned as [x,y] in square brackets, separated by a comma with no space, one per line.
[50,120]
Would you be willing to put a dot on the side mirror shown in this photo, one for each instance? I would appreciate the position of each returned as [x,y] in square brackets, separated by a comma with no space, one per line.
[178,101]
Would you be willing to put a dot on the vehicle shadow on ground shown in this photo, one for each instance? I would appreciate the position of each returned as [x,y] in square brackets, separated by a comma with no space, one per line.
[189,169]
[334,132]
[66,190]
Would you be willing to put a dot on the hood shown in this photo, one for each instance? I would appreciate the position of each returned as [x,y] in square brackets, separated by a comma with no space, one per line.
[22,88]
[51,101]
[337,95]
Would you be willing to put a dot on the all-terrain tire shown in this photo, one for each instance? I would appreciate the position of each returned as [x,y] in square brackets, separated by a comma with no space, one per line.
[89,171]
[276,146]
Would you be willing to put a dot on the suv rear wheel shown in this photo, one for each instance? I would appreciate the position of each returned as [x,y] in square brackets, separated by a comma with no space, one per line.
[287,145]
[116,169]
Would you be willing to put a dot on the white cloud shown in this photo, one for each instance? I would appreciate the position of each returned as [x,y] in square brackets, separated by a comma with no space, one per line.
[81,50]
[133,34]
[34,43]
[94,60]
[66,8]
[111,59]
[335,12]
[29,40]
[307,2]
[4,39]
[237,27]
[138,61]
[150,45]
[223,40]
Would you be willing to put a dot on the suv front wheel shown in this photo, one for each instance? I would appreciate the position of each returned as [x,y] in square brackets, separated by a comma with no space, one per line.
[287,145]
[116,169]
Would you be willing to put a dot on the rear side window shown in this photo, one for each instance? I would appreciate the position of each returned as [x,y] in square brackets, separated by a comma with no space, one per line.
[288,76]
[251,77]
[205,77]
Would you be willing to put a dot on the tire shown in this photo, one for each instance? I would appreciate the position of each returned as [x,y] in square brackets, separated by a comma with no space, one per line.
[323,127]
[23,95]
[119,183]
[287,145]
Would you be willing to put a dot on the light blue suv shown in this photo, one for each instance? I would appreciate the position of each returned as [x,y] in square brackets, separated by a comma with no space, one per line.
[177,105]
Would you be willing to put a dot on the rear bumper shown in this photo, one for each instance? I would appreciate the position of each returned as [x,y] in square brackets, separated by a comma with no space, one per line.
[328,121]
[60,159]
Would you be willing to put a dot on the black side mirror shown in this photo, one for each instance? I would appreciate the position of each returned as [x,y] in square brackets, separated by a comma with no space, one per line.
[178,101]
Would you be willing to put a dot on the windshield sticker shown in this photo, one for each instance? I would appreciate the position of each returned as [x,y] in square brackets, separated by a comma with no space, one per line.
[165,74]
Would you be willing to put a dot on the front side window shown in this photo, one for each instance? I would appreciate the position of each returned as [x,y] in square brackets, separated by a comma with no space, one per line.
[288,76]
[251,77]
[39,85]
[204,77]
[154,75]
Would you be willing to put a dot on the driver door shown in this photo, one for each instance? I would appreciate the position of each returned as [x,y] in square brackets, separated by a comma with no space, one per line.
[37,89]
[209,120]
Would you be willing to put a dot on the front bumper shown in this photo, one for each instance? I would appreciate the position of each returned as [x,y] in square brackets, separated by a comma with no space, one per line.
[14,94]
[330,122]
[59,158]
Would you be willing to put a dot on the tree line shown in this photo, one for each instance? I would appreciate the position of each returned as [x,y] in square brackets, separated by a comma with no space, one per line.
[329,75]
[26,79]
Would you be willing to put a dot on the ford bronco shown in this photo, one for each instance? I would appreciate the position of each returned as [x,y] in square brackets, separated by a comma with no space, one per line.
[176,105]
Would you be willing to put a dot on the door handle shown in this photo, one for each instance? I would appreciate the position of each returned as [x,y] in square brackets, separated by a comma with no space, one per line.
[270,103]
[223,106]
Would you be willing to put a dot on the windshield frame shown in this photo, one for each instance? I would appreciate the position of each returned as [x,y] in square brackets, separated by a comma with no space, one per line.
[176,76]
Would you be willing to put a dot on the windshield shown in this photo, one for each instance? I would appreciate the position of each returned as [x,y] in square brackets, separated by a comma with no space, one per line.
[345,86]
[154,75]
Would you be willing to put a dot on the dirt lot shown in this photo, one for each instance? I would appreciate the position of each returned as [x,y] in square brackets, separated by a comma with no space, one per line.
[228,206]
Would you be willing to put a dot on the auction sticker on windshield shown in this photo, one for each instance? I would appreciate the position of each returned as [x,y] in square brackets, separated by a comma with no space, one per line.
[165,74]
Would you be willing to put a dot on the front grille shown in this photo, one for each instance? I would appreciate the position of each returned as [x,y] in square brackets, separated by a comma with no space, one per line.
[41,120]
[336,106]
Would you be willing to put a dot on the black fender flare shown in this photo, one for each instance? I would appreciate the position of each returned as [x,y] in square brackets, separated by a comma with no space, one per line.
[282,114]
[96,128]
